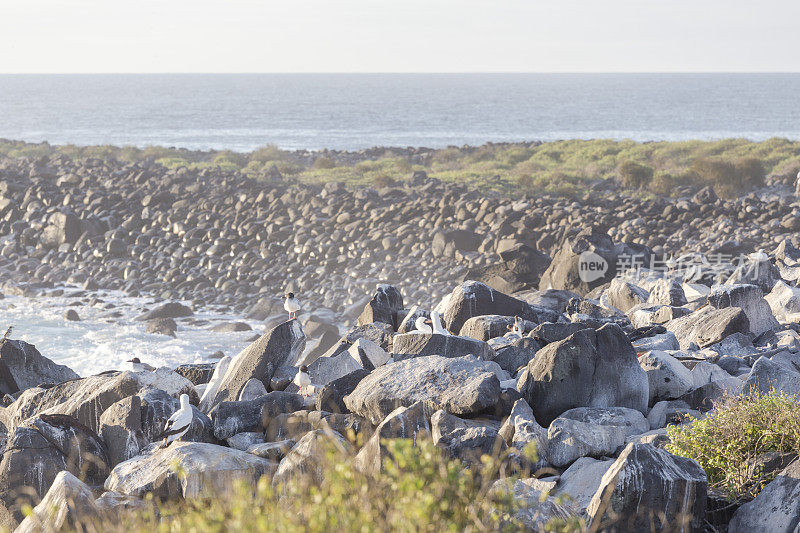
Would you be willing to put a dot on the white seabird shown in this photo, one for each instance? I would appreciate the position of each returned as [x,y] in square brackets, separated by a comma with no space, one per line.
[516,327]
[303,380]
[422,325]
[437,324]
[178,424]
[291,304]
[136,365]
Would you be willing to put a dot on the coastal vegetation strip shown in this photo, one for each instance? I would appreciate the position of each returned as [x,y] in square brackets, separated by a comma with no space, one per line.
[569,168]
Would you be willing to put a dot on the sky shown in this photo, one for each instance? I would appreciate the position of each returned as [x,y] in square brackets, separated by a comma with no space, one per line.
[55,36]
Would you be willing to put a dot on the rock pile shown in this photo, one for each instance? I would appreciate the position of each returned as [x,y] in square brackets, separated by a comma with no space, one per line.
[591,380]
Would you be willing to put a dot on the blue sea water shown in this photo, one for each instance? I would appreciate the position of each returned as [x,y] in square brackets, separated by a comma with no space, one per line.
[353,111]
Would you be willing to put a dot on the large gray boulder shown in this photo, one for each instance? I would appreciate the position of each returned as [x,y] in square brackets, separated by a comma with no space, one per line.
[667,292]
[631,421]
[584,262]
[579,483]
[29,368]
[767,375]
[84,399]
[187,470]
[749,299]
[587,369]
[310,455]
[446,242]
[121,430]
[776,509]
[383,307]
[41,448]
[166,310]
[624,295]
[472,298]
[280,347]
[412,422]
[668,378]
[331,396]
[708,326]
[62,228]
[407,345]
[460,386]
[649,489]
[69,505]
[568,440]
[231,418]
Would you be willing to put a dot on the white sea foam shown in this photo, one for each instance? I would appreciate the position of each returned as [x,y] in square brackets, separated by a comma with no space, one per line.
[99,342]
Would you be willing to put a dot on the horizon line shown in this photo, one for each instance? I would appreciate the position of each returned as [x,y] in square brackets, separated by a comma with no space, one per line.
[413,73]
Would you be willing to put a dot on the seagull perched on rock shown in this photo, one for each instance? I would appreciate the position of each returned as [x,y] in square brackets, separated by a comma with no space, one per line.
[178,424]
[303,380]
[292,305]
[136,365]
[423,325]
[437,324]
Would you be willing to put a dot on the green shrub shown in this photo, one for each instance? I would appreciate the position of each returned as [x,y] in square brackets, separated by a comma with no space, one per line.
[634,175]
[419,490]
[266,153]
[323,163]
[734,434]
[384,181]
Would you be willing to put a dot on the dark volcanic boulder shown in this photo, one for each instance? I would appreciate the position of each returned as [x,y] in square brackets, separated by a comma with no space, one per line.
[708,326]
[85,399]
[121,429]
[521,269]
[462,385]
[42,447]
[648,489]
[446,242]
[29,368]
[231,418]
[406,345]
[587,369]
[584,262]
[167,310]
[775,509]
[197,373]
[331,397]
[161,326]
[517,355]
[63,228]
[187,470]
[280,347]
[383,307]
[749,299]
[472,298]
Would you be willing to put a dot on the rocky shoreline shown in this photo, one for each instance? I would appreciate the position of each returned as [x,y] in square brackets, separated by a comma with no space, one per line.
[629,314]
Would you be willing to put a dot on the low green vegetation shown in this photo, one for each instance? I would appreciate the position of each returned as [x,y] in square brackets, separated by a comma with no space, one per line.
[731,442]
[419,490]
[572,167]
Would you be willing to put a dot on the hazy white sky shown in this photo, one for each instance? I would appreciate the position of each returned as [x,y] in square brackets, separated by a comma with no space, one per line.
[399,36]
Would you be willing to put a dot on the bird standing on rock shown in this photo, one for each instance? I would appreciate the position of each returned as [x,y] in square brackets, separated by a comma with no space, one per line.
[303,380]
[437,324]
[178,424]
[136,365]
[423,325]
[292,305]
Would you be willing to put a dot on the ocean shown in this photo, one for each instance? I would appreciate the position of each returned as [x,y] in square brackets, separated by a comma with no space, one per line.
[352,111]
